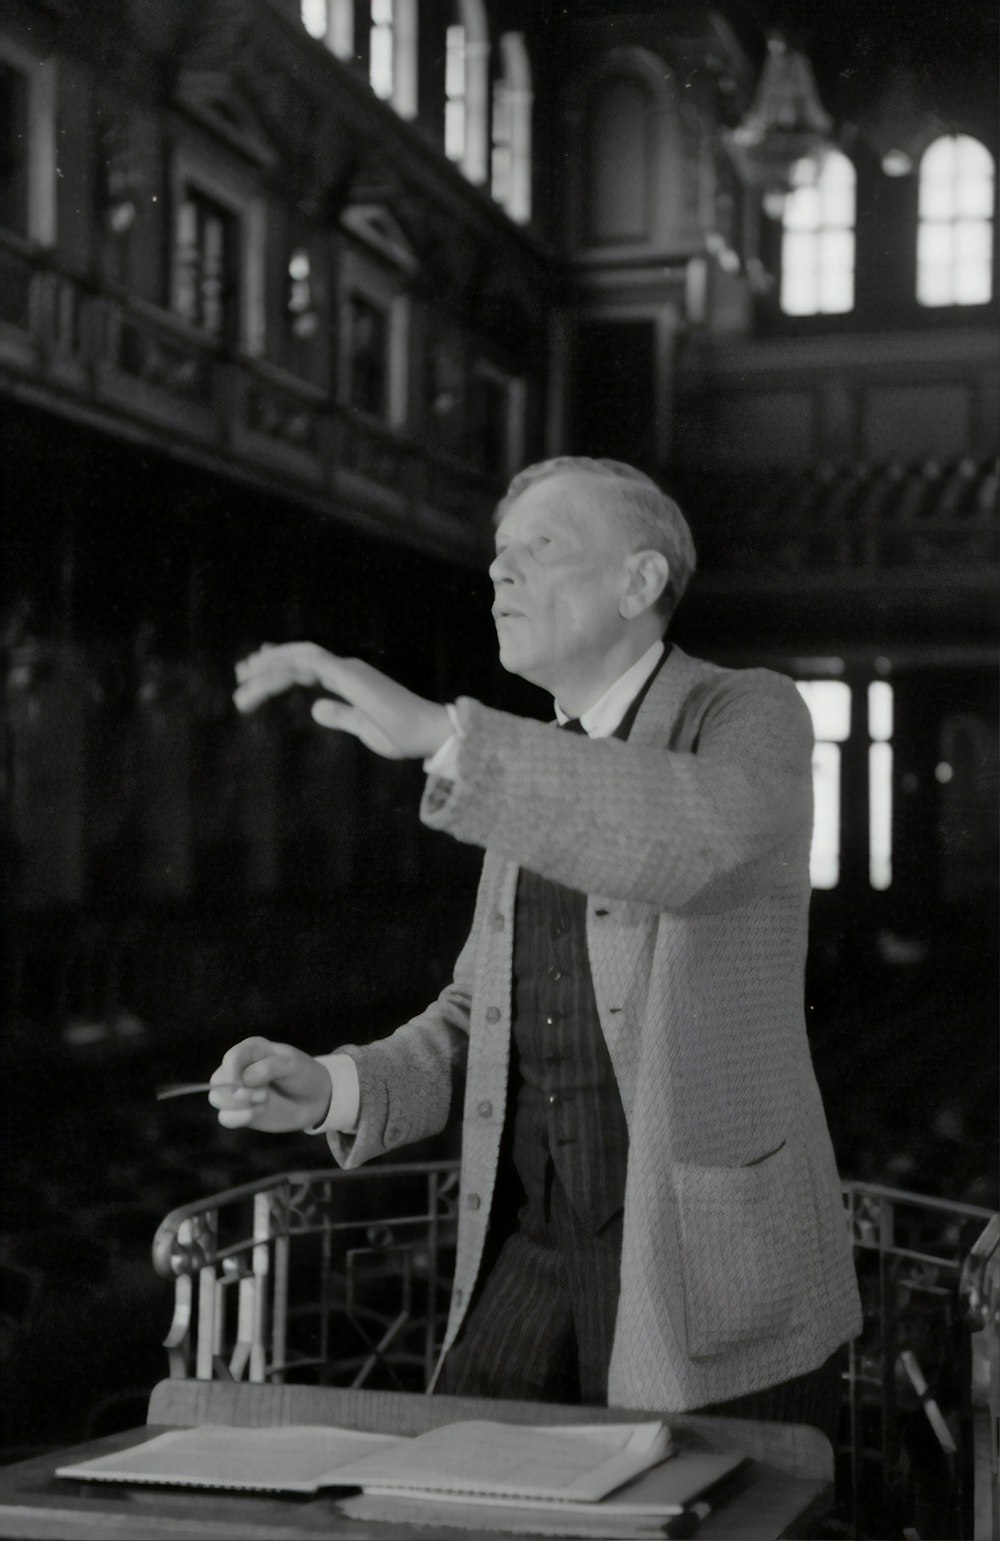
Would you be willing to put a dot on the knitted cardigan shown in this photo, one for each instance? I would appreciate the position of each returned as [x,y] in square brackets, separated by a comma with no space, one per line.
[691,841]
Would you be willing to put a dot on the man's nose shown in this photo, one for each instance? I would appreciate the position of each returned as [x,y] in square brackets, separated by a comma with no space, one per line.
[504,568]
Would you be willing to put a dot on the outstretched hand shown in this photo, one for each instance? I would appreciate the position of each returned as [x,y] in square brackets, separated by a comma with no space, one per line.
[386,717]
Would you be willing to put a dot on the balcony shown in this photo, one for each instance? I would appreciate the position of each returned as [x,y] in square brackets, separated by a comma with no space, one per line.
[142,373]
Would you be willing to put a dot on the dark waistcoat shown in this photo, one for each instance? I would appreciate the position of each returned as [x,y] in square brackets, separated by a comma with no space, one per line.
[569,1120]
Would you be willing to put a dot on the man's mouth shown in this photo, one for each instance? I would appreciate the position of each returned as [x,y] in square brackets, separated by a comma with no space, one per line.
[506,613]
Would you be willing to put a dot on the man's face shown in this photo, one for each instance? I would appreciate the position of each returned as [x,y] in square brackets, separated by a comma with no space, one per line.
[557,579]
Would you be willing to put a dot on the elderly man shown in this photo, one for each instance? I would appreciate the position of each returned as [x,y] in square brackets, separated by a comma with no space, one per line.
[650,1210]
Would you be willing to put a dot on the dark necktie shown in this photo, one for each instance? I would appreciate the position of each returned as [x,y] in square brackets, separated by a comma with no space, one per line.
[573,725]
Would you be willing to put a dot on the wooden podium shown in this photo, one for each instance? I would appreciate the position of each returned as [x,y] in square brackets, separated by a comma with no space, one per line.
[784,1492]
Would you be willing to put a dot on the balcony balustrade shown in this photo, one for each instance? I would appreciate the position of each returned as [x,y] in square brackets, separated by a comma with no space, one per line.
[860,525]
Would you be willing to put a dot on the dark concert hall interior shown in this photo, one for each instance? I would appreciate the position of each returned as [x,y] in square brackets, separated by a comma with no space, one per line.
[289,291]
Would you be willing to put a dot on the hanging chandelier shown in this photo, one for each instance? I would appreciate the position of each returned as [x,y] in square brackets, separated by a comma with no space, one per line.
[785,135]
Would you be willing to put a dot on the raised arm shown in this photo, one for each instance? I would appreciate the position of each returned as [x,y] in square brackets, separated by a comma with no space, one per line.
[632,820]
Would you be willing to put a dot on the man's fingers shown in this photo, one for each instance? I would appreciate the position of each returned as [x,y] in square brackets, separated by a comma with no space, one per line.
[263,1072]
[236,1118]
[236,1059]
[261,686]
[238,1099]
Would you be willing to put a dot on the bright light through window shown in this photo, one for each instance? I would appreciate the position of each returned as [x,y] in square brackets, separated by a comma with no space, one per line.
[824,856]
[880,726]
[380,63]
[314,18]
[510,164]
[829,703]
[454,91]
[955,234]
[817,245]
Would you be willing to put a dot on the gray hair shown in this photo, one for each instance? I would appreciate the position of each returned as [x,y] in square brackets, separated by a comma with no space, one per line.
[642,510]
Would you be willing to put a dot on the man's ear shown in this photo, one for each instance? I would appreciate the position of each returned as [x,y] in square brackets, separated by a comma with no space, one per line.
[646,576]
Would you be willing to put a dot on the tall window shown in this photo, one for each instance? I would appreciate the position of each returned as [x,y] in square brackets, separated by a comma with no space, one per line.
[332,23]
[205,256]
[466,83]
[392,54]
[454,92]
[955,230]
[829,703]
[510,165]
[880,722]
[369,357]
[14,132]
[381,60]
[817,245]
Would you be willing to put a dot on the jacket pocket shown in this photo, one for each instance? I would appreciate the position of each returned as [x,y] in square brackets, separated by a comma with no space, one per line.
[742,1249]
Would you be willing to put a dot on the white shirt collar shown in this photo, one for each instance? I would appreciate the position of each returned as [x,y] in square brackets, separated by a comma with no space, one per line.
[601,719]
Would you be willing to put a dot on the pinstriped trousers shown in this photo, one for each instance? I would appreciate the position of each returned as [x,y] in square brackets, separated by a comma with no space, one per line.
[541,1327]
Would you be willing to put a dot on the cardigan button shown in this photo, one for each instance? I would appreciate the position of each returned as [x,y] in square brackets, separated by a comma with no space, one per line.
[472,1201]
[493,1014]
[485,1110]
[498,922]
[457,1297]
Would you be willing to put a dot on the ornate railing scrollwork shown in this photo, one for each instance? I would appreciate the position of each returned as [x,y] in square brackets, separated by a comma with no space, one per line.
[342,1277]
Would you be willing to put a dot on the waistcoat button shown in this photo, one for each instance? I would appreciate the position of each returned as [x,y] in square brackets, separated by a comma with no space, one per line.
[485,1110]
[492,1014]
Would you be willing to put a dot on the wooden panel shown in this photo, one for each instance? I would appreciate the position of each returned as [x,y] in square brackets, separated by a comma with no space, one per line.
[917,422]
[775,428]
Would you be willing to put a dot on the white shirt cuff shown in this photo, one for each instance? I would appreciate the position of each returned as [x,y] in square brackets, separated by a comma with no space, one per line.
[345,1095]
[444,761]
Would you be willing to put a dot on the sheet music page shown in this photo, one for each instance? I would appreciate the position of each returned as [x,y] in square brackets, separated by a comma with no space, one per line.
[499,1459]
[668,1488]
[294,1458]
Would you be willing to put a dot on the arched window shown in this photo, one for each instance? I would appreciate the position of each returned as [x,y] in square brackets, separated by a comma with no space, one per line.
[510,165]
[955,229]
[817,242]
[392,54]
[331,22]
[466,90]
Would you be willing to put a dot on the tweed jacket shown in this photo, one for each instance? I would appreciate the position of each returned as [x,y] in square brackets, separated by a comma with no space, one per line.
[691,841]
